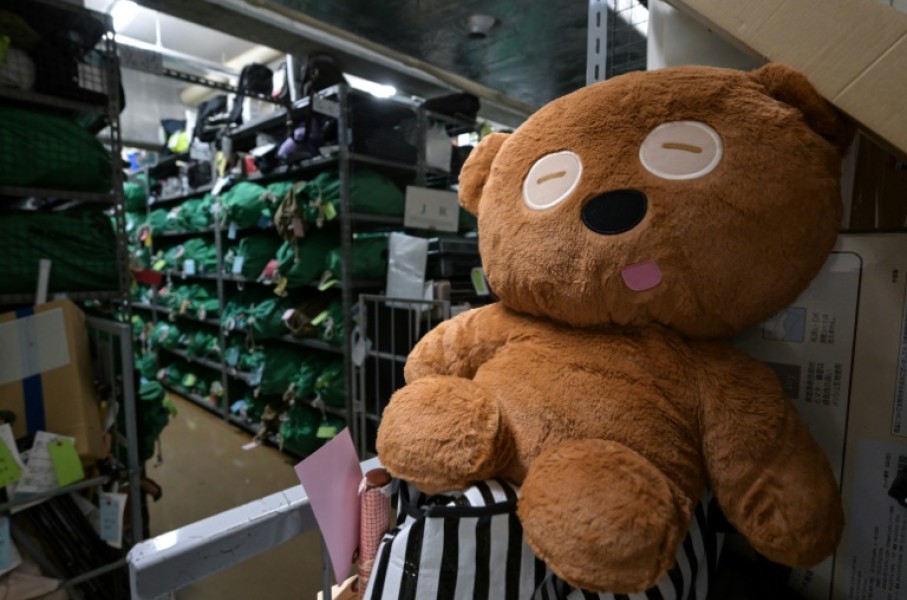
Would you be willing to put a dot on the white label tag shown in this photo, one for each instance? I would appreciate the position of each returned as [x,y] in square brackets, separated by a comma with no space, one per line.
[431,209]
[218,186]
[238,264]
[112,507]
[231,232]
[189,266]
[41,476]
[9,555]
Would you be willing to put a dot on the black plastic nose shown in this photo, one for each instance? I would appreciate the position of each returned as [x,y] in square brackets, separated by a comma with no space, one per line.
[615,212]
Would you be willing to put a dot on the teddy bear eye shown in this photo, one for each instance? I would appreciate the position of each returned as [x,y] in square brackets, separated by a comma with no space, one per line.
[551,179]
[681,150]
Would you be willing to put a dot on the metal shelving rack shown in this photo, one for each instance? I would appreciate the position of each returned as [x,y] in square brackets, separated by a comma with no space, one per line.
[112,201]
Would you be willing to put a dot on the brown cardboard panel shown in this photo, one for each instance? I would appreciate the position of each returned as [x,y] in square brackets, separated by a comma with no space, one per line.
[879,189]
[853,51]
[70,402]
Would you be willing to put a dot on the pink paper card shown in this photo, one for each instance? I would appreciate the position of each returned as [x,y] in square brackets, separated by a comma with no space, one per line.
[331,478]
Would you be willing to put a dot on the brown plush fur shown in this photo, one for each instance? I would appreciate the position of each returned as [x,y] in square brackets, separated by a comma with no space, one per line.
[612,407]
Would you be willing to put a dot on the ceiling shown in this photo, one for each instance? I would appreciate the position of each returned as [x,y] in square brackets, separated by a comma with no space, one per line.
[535,52]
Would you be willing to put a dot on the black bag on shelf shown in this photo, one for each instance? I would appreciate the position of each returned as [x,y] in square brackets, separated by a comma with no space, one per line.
[211,118]
[460,105]
[254,78]
[198,173]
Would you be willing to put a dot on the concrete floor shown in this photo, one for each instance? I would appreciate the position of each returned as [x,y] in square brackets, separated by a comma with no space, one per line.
[205,471]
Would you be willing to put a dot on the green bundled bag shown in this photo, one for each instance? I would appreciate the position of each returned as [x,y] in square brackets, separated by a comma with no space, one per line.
[134,222]
[172,374]
[44,149]
[236,309]
[138,326]
[157,220]
[330,324]
[280,369]
[302,262]
[305,429]
[146,365]
[370,192]
[135,195]
[329,386]
[164,335]
[244,203]
[196,214]
[277,191]
[203,344]
[81,244]
[154,415]
[265,320]
[256,251]
[303,384]
[369,258]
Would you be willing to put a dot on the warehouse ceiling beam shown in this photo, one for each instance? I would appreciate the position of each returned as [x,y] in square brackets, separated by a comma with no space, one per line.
[271,24]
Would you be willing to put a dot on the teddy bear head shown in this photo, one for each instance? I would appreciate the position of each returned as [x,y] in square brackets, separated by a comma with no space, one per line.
[697,198]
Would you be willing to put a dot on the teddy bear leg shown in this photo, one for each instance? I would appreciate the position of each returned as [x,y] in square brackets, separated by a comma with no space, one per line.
[601,516]
[440,433]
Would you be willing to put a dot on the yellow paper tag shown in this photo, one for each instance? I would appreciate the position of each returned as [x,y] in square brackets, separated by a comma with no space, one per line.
[326,432]
[66,462]
[159,265]
[281,286]
[330,212]
[9,468]
[320,318]
[148,240]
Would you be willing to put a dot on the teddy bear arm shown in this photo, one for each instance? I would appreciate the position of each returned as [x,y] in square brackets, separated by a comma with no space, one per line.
[769,475]
[458,346]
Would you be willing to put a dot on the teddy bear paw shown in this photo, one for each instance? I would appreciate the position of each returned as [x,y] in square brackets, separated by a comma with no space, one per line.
[440,433]
[602,517]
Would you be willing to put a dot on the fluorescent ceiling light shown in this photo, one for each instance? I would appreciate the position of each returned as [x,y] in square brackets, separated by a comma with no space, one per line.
[123,12]
[375,89]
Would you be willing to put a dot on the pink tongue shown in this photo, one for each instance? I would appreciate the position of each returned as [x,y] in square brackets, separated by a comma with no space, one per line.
[641,276]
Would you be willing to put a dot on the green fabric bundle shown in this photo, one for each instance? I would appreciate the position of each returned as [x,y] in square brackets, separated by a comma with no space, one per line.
[203,344]
[281,367]
[196,214]
[146,364]
[172,374]
[157,220]
[330,324]
[265,319]
[154,415]
[237,307]
[302,262]
[305,429]
[303,383]
[256,251]
[134,220]
[135,195]
[277,190]
[244,203]
[330,384]
[164,335]
[44,149]
[369,258]
[370,192]
[138,326]
[81,244]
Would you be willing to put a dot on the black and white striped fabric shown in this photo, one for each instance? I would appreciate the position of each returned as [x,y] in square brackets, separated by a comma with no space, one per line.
[469,545]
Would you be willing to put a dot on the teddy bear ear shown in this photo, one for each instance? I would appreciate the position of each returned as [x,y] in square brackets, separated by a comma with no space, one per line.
[476,170]
[790,86]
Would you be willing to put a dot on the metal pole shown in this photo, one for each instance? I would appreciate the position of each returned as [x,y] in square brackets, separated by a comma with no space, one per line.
[597,42]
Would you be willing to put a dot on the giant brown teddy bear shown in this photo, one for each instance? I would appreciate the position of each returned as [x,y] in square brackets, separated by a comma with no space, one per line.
[627,229]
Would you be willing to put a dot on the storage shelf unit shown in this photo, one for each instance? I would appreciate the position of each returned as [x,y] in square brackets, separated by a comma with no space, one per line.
[344,158]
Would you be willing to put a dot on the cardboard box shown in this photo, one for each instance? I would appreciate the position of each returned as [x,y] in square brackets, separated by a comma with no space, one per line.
[853,51]
[841,353]
[46,377]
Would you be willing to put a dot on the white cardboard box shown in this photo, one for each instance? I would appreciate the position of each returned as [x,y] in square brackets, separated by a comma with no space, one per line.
[841,353]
